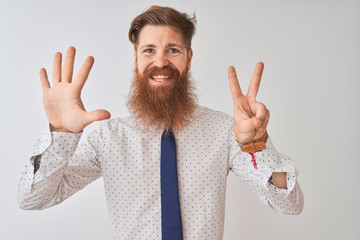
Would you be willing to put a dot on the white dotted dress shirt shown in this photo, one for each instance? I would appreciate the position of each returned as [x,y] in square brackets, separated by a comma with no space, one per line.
[128,159]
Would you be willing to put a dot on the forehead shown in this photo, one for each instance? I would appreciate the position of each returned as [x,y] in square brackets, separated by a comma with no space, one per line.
[159,35]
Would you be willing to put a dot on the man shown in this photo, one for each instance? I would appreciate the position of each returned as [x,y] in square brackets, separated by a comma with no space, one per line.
[128,153]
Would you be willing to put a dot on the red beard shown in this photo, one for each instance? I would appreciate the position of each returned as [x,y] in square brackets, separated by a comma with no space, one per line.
[168,107]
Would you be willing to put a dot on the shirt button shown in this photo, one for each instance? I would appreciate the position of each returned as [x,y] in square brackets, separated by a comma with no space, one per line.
[266,159]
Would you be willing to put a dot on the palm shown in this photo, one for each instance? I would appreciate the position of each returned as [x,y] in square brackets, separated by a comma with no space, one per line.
[251,117]
[63,106]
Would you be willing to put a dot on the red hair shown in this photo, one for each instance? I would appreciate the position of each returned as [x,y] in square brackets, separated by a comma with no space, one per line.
[156,15]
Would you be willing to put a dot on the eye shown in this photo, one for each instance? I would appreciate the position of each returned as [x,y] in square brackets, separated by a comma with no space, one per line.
[173,50]
[149,51]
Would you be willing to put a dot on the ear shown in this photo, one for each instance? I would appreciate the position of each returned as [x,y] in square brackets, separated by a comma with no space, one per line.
[190,55]
[135,56]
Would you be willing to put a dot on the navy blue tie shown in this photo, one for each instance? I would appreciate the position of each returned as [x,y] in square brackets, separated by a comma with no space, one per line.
[170,207]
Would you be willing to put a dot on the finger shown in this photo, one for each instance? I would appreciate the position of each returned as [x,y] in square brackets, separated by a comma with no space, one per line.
[248,125]
[67,71]
[255,80]
[260,112]
[84,71]
[234,83]
[263,128]
[56,74]
[44,79]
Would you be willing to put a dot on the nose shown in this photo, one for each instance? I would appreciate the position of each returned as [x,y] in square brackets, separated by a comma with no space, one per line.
[160,60]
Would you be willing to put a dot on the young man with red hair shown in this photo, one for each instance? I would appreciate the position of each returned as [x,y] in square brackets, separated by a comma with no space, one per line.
[127,152]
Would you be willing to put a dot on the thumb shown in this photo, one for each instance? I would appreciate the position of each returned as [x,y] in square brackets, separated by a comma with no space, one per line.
[98,115]
[248,126]
[256,122]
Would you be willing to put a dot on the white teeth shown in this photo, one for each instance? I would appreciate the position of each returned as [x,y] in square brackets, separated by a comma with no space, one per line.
[160,78]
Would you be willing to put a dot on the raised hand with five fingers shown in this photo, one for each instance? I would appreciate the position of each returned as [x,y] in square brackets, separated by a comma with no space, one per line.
[62,103]
[251,117]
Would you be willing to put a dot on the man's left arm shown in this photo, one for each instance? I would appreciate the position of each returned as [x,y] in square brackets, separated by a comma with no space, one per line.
[250,131]
[285,195]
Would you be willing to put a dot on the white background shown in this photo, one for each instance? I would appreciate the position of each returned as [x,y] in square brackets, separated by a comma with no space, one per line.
[311,51]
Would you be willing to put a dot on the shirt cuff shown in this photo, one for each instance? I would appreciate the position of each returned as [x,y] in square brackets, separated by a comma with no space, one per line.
[270,160]
[52,150]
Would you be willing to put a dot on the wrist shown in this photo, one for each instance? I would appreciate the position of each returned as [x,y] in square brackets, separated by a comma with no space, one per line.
[54,129]
[255,145]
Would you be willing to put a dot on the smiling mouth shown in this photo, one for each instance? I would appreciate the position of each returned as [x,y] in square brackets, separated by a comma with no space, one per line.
[160,79]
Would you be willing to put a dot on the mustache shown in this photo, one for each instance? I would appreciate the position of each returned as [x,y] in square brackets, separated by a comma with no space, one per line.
[169,71]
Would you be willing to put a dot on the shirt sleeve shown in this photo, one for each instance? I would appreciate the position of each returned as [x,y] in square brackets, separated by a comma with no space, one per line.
[287,201]
[64,167]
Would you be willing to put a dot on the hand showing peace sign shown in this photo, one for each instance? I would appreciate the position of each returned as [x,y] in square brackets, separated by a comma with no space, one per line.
[63,106]
[251,117]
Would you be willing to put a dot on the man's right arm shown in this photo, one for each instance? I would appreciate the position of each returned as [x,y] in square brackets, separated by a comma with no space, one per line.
[65,167]
[59,166]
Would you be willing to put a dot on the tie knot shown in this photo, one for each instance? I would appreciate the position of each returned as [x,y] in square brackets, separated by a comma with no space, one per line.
[167,133]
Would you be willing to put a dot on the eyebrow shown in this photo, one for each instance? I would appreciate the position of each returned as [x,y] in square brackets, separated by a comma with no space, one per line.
[147,46]
[167,45]
[174,45]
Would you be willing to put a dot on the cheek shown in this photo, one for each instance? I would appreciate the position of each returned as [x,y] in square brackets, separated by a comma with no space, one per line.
[179,62]
[140,69]
[181,66]
[141,65]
